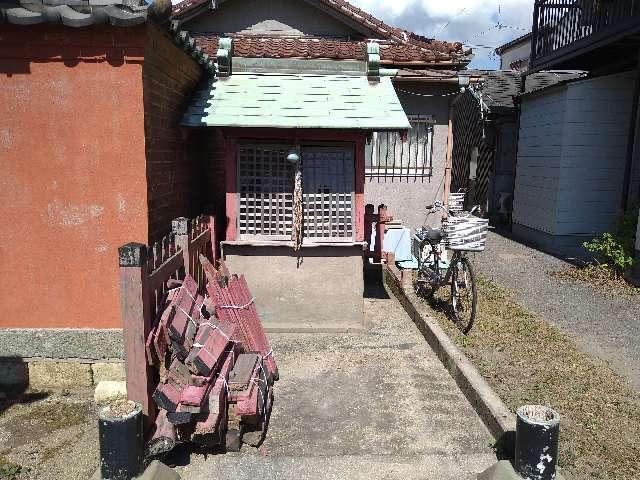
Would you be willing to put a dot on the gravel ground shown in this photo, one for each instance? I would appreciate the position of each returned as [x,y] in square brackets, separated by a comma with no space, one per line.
[601,323]
[377,405]
[374,405]
[51,435]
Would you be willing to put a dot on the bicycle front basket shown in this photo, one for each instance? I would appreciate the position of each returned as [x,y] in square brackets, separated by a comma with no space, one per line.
[456,202]
[466,233]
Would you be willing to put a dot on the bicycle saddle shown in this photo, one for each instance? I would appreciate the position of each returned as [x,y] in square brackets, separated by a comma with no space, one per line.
[432,235]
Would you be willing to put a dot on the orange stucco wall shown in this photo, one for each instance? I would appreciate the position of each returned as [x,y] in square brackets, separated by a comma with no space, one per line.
[72,172]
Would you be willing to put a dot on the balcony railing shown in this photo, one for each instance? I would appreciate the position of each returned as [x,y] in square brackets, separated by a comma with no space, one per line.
[563,26]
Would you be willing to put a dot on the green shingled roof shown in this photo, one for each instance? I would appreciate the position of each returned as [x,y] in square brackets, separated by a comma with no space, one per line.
[276,100]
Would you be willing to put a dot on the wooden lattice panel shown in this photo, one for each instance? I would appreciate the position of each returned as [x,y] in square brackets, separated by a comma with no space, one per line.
[265,180]
[328,176]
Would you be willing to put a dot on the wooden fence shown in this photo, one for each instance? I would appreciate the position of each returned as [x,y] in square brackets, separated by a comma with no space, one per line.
[144,272]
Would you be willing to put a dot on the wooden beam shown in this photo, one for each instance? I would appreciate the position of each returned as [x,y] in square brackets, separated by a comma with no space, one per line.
[135,308]
[448,161]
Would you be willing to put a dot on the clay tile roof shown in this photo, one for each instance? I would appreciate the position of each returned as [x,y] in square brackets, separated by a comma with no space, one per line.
[397,46]
[315,48]
[77,13]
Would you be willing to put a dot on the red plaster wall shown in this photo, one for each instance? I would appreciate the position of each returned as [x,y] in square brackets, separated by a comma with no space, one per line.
[72,172]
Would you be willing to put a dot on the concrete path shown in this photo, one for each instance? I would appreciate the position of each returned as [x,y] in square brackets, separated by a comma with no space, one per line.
[368,406]
[603,324]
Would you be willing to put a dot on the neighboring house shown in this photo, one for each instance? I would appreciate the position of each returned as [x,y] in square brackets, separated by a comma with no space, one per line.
[516,54]
[304,35]
[326,82]
[91,157]
[578,161]
[485,133]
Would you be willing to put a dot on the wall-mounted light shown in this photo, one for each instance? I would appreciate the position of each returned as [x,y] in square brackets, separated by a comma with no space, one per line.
[293,156]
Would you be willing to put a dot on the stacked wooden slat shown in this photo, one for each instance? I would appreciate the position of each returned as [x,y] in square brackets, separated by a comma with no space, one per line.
[216,367]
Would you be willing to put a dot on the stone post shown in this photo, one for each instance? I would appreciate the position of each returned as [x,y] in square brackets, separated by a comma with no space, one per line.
[135,308]
[636,268]
[180,228]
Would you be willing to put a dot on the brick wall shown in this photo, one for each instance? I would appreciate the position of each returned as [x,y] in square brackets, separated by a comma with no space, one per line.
[213,164]
[175,183]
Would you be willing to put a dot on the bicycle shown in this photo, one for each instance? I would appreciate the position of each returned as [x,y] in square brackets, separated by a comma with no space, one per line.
[461,233]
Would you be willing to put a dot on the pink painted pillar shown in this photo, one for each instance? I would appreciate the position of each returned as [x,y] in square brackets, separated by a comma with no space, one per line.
[231,186]
[359,188]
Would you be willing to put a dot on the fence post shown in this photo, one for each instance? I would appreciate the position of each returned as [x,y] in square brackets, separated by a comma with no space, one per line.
[135,310]
[211,225]
[180,228]
[368,225]
[382,217]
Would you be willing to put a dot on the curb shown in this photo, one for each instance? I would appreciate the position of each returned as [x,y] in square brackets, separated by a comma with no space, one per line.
[497,417]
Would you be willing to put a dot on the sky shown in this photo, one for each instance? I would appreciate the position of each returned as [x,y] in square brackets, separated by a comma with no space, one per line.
[481,25]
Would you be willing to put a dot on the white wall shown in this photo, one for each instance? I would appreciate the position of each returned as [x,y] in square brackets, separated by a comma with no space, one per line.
[273,17]
[520,51]
[407,197]
[571,156]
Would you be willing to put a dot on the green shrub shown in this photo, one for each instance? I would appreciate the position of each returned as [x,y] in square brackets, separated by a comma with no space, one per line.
[617,249]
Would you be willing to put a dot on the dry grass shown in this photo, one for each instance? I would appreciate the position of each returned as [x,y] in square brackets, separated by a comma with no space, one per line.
[598,275]
[527,360]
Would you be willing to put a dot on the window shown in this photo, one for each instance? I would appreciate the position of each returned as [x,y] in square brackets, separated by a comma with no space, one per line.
[388,156]
[266,182]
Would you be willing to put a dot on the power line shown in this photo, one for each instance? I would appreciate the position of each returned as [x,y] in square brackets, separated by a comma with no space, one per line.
[447,24]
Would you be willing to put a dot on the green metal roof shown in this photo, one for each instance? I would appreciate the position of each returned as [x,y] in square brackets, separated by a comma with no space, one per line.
[277,100]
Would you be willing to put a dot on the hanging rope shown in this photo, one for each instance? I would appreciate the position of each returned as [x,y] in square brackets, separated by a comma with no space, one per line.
[297,212]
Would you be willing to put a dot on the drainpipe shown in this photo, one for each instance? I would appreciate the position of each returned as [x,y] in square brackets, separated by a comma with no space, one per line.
[631,142]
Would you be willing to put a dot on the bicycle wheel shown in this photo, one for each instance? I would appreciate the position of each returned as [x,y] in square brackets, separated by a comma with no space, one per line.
[424,284]
[464,296]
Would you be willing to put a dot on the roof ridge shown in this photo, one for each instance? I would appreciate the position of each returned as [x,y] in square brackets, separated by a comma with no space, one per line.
[365,19]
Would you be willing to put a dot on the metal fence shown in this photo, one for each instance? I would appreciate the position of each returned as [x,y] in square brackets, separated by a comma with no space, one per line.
[391,155]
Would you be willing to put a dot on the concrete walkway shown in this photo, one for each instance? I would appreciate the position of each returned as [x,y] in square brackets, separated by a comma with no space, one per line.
[378,405]
[603,324]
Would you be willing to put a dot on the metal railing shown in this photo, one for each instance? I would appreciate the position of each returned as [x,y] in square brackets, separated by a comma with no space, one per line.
[560,26]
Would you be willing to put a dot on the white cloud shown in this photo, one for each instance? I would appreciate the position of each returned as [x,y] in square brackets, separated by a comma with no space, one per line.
[471,22]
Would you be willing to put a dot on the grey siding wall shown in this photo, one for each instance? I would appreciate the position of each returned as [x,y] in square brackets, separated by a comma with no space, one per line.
[406,198]
[275,17]
[594,151]
[539,159]
[571,156]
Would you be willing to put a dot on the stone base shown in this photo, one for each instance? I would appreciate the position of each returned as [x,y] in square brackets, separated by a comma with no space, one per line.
[322,291]
[155,471]
[503,470]
[18,374]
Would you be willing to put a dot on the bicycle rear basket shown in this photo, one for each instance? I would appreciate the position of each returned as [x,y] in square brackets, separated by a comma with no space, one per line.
[456,202]
[466,233]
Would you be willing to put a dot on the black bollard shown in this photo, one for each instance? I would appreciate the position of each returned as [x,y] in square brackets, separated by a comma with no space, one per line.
[120,428]
[537,431]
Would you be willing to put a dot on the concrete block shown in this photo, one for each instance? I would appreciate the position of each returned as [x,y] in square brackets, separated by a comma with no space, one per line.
[109,390]
[43,375]
[110,371]
[14,374]
[503,470]
[159,471]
